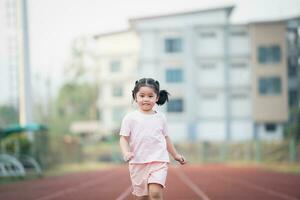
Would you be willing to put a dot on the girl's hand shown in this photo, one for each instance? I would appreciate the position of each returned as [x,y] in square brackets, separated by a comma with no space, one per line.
[128,156]
[180,159]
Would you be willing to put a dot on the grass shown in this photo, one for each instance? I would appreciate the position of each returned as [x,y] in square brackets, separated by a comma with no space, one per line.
[74,168]
[61,170]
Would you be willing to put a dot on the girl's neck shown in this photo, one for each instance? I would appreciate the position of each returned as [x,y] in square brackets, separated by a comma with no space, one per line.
[148,112]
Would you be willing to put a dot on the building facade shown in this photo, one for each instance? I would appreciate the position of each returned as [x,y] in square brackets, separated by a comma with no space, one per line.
[293,61]
[116,60]
[269,78]
[227,81]
[193,55]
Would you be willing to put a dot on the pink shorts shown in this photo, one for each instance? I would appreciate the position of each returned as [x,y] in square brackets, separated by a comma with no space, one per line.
[143,174]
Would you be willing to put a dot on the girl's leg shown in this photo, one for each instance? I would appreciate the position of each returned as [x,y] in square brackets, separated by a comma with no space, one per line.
[155,191]
[142,198]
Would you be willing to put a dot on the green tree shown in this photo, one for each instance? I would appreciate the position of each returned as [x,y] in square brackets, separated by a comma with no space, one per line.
[293,127]
[8,115]
[77,98]
[75,101]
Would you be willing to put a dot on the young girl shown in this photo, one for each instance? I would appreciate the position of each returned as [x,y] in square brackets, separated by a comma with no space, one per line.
[145,142]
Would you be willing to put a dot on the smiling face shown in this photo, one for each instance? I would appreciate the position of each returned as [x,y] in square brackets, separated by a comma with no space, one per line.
[146,98]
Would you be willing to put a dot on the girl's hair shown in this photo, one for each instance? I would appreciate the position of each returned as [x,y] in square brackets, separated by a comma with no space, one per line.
[149,82]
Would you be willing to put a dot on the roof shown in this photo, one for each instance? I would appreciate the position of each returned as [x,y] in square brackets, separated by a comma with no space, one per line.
[17,129]
[258,11]
[203,10]
[111,33]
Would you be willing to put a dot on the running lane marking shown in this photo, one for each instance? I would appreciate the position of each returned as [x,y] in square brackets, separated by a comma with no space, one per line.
[124,194]
[191,185]
[262,189]
[75,188]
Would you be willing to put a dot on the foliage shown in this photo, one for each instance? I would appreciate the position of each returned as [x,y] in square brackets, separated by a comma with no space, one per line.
[8,115]
[75,102]
[292,129]
[77,98]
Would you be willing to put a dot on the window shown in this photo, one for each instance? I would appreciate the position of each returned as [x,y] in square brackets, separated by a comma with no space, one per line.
[271,54]
[239,96]
[175,105]
[117,91]
[270,86]
[292,66]
[173,45]
[270,127]
[209,96]
[208,66]
[174,75]
[238,65]
[115,66]
[238,33]
[293,98]
[207,34]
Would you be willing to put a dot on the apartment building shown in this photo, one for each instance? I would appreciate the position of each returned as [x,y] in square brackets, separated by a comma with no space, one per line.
[227,81]
[205,64]
[269,78]
[293,48]
[116,61]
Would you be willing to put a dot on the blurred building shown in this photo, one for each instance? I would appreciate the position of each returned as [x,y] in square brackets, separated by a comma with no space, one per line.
[205,63]
[293,60]
[116,57]
[269,79]
[228,81]
[8,53]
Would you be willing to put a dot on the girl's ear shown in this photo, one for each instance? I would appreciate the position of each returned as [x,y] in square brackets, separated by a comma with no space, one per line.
[157,98]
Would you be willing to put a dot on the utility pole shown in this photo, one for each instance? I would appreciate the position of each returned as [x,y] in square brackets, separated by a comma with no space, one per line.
[25,103]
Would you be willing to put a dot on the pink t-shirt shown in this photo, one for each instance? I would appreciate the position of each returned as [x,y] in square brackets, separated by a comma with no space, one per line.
[146,136]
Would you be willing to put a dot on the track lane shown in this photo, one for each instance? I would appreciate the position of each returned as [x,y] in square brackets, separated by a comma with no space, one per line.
[200,182]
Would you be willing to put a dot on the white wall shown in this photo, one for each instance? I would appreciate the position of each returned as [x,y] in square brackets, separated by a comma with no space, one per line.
[240,105]
[211,130]
[210,74]
[239,73]
[210,46]
[177,131]
[241,130]
[211,105]
[239,42]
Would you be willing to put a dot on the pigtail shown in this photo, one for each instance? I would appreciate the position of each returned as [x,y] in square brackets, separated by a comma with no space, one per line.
[134,91]
[163,97]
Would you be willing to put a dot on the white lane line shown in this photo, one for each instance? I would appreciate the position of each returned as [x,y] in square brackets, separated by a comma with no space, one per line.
[262,189]
[124,194]
[75,188]
[190,184]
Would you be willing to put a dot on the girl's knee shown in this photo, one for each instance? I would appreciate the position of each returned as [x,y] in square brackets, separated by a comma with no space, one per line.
[155,191]
[142,198]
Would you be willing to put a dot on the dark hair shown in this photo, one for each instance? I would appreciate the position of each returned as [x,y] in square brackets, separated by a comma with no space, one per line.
[150,82]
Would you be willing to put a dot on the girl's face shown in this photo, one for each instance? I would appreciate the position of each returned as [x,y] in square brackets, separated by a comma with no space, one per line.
[146,98]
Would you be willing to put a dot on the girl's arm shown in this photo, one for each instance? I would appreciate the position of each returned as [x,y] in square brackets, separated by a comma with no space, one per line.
[171,149]
[127,155]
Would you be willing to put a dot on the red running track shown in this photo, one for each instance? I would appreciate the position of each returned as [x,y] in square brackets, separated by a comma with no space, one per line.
[190,182]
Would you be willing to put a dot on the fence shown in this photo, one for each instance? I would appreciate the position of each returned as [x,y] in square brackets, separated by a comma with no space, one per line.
[258,151]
